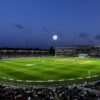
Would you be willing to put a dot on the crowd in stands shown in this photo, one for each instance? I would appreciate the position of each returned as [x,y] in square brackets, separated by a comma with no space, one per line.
[94,85]
[64,92]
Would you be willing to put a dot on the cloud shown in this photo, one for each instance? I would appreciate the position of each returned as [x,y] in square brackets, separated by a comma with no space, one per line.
[86,37]
[97,37]
[83,35]
[53,33]
[19,26]
[44,28]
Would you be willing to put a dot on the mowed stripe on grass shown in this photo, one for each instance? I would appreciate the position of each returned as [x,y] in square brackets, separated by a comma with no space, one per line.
[49,68]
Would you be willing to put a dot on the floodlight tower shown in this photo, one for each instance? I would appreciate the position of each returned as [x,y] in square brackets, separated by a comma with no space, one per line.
[55,38]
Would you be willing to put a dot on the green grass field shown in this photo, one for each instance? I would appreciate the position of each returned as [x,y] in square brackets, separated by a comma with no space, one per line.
[44,69]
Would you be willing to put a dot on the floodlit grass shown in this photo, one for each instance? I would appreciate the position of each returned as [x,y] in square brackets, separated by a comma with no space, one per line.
[44,69]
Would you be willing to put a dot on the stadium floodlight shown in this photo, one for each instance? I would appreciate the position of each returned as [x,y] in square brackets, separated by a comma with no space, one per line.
[55,37]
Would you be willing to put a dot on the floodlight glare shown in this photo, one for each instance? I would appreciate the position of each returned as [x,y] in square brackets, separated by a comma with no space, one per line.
[55,37]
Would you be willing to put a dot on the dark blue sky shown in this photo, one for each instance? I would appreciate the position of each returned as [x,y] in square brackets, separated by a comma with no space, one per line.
[31,23]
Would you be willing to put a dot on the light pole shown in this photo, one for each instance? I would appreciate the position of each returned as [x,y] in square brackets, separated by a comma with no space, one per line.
[54,37]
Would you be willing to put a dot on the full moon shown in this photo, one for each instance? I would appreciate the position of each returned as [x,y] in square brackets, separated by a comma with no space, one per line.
[55,37]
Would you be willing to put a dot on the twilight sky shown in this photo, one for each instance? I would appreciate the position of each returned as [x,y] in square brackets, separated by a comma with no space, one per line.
[31,23]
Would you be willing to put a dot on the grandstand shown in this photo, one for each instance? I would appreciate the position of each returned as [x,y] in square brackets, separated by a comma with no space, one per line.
[92,51]
[22,52]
